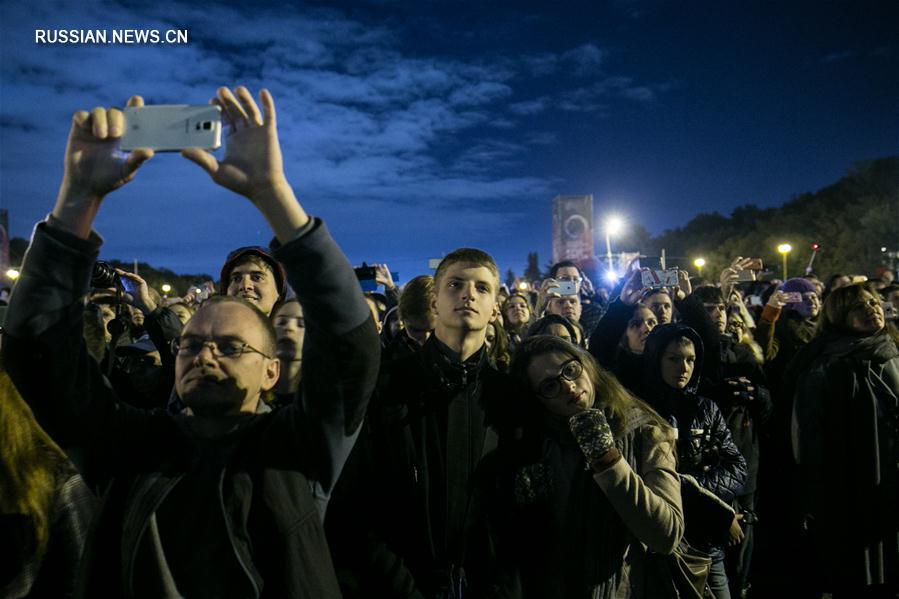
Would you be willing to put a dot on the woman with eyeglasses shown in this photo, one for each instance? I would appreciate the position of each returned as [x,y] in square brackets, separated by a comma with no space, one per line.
[595,486]
[846,442]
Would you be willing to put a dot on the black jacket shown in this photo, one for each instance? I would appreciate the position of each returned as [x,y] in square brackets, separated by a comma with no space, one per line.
[268,481]
[407,511]
[746,419]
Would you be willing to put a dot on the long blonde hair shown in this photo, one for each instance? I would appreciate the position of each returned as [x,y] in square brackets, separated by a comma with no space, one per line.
[29,464]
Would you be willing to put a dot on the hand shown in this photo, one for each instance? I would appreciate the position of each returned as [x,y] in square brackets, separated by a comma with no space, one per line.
[549,289]
[592,432]
[730,274]
[684,288]
[587,285]
[141,299]
[383,276]
[778,299]
[741,388]
[735,533]
[633,289]
[252,164]
[547,285]
[94,166]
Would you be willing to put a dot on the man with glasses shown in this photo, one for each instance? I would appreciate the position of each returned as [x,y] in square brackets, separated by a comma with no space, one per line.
[221,500]
[572,305]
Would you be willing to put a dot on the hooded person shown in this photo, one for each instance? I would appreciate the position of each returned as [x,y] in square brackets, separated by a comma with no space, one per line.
[706,451]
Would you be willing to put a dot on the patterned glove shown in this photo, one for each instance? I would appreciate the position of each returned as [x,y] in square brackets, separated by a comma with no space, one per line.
[532,484]
[592,432]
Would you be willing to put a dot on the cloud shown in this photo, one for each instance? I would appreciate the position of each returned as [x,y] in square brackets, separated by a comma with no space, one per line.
[586,58]
[839,56]
[367,125]
[529,107]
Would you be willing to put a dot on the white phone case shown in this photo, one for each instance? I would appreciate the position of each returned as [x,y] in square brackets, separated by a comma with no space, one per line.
[172,127]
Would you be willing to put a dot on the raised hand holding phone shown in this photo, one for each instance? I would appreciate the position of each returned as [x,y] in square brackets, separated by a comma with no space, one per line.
[253,165]
[94,166]
[137,292]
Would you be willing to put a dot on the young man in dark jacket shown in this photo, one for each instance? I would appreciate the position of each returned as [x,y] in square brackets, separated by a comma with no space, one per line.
[224,501]
[436,413]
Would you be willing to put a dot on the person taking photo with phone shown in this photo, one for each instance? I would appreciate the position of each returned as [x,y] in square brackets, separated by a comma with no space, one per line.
[221,500]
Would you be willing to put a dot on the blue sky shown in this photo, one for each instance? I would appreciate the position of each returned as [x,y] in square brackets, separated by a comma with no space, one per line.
[414,128]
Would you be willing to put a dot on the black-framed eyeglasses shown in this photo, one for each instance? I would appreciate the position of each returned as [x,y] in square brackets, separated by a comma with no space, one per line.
[551,387]
[223,348]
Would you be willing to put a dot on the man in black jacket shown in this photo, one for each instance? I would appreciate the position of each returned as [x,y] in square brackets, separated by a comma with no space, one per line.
[224,501]
[436,414]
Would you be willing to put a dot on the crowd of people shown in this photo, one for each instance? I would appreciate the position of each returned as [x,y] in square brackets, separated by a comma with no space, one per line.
[285,434]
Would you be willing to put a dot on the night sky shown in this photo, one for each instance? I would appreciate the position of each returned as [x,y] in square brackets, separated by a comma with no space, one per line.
[414,128]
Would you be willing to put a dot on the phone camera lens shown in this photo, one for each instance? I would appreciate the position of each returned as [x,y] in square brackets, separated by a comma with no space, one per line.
[207,125]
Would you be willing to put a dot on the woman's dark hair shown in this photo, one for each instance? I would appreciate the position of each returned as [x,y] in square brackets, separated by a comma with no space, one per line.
[834,318]
[499,351]
[541,325]
[708,294]
[608,392]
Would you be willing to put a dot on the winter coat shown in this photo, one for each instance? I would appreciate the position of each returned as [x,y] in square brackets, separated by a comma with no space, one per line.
[405,513]
[705,447]
[580,534]
[846,439]
[746,419]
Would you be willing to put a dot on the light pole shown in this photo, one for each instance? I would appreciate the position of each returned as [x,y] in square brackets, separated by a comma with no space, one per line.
[785,249]
[699,263]
[613,227]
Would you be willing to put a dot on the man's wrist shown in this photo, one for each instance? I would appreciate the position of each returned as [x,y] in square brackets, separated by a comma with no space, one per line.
[275,190]
[75,210]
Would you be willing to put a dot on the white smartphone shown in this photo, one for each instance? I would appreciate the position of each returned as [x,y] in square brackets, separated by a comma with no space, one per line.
[172,127]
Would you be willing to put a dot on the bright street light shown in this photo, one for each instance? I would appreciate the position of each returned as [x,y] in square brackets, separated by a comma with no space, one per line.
[12,273]
[699,263]
[614,224]
[166,288]
[784,249]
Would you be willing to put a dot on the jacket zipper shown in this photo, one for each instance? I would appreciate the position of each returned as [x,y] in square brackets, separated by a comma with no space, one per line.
[246,570]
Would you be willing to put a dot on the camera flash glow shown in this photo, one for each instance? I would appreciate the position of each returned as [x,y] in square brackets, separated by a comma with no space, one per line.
[611,276]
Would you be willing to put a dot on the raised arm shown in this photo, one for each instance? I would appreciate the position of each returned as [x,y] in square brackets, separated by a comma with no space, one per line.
[44,350]
[648,502]
[342,351]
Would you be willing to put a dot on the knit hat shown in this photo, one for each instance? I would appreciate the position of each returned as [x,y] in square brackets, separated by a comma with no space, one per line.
[240,254]
[798,284]
[801,286]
